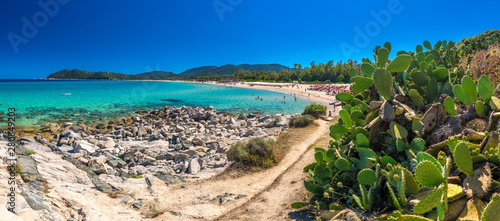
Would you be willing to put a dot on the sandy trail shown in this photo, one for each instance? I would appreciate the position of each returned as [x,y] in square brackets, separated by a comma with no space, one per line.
[188,199]
[274,203]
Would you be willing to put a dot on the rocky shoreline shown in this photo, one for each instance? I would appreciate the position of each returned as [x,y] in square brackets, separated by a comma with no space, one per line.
[169,145]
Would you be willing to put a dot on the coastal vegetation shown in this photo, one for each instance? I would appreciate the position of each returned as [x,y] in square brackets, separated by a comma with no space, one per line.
[315,110]
[302,121]
[405,146]
[30,152]
[257,152]
[16,168]
[199,72]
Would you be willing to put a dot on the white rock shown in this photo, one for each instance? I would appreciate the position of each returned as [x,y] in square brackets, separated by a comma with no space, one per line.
[194,166]
[83,145]
[110,143]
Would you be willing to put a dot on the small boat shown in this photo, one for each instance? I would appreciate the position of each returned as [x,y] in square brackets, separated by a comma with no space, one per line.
[336,103]
[66,93]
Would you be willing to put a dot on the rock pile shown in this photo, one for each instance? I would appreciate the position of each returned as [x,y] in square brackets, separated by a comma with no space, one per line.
[185,141]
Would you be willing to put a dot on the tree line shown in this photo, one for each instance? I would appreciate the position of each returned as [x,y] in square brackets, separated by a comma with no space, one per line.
[329,72]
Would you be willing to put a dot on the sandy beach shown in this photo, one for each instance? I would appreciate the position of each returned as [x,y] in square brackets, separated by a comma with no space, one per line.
[300,91]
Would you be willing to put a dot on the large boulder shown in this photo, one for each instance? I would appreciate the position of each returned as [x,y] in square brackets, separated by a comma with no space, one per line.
[194,166]
[71,134]
[84,146]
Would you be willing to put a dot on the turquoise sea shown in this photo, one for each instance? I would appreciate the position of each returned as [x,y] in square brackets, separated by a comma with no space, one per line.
[41,101]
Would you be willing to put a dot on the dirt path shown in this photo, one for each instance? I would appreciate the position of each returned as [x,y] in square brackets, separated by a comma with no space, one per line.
[197,200]
[274,202]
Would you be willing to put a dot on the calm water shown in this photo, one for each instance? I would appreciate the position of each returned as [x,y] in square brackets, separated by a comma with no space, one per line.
[39,101]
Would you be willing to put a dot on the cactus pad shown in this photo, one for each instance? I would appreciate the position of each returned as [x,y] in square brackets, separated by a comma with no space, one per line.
[495,103]
[383,82]
[463,158]
[346,118]
[367,177]
[416,99]
[413,218]
[449,105]
[429,202]
[431,90]
[398,131]
[344,96]
[492,210]
[479,108]
[440,74]
[400,63]
[421,156]
[388,160]
[427,45]
[428,174]
[410,184]
[469,88]
[419,78]
[337,131]
[461,95]
[473,210]
[455,192]
[367,69]
[417,145]
[383,56]
[342,164]
[485,88]
[361,84]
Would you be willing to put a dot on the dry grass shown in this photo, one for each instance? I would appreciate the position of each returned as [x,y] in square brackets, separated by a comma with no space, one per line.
[114,194]
[289,138]
[46,187]
[154,210]
[484,63]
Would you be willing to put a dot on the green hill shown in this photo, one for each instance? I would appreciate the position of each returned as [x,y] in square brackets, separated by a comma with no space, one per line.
[227,69]
[230,69]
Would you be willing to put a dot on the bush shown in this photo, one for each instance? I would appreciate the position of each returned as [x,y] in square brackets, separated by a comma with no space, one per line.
[257,152]
[487,63]
[30,152]
[16,168]
[135,176]
[315,110]
[302,121]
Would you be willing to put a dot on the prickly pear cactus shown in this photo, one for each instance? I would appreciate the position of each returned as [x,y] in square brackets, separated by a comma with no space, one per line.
[479,108]
[429,202]
[455,192]
[400,63]
[492,210]
[413,218]
[449,105]
[367,177]
[427,174]
[485,88]
[463,158]
[383,82]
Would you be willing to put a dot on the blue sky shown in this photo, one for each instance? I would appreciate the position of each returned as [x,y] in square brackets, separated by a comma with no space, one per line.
[174,35]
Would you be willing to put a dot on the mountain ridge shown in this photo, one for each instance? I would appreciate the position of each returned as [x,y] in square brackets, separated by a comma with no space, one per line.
[227,69]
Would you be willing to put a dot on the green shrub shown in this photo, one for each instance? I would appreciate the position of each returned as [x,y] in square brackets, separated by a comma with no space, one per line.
[16,168]
[302,121]
[135,176]
[30,152]
[315,110]
[257,152]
